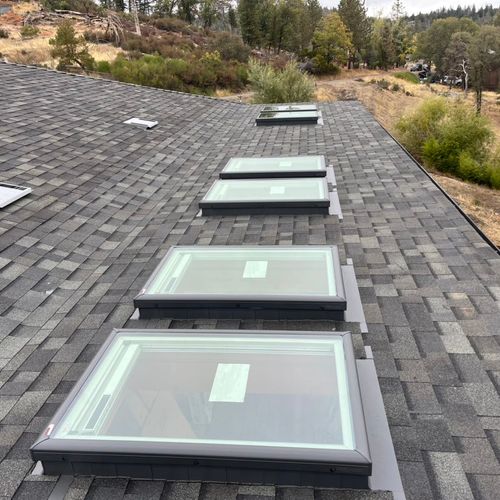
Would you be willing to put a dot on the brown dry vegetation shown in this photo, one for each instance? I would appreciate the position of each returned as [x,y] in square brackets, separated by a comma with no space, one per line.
[480,203]
[37,50]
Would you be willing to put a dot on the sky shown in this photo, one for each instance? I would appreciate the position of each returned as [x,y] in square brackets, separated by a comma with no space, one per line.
[413,7]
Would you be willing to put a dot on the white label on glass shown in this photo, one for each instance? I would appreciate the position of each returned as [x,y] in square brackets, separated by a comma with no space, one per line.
[230,383]
[285,163]
[255,269]
[277,190]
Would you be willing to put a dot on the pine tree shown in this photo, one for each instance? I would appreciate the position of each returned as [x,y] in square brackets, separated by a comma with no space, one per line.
[353,15]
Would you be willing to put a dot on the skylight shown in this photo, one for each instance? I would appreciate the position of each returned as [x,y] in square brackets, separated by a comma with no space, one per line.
[181,404]
[233,281]
[244,196]
[291,107]
[9,193]
[283,166]
[145,124]
[287,117]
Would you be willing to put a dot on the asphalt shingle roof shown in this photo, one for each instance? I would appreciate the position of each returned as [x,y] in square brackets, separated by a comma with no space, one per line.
[109,199]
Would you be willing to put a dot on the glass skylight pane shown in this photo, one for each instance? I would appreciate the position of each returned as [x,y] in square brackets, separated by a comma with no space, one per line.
[288,114]
[291,107]
[278,166]
[224,389]
[257,271]
[268,190]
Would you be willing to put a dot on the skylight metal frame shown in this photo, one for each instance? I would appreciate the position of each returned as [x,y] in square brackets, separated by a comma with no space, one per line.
[273,172]
[318,205]
[288,118]
[272,464]
[232,305]
[17,193]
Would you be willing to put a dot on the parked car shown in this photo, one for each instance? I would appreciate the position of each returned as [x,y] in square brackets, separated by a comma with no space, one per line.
[416,67]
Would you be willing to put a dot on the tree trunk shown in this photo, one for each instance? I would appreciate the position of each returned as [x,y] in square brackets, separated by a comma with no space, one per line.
[135,15]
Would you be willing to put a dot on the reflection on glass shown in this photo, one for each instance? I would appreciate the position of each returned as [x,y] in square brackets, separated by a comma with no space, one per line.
[216,388]
[268,190]
[291,107]
[258,271]
[288,114]
[283,163]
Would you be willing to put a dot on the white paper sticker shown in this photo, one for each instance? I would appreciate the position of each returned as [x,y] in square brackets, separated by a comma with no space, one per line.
[230,383]
[255,269]
[285,163]
[277,190]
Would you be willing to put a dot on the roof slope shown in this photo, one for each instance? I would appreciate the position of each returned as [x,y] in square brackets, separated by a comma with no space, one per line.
[108,200]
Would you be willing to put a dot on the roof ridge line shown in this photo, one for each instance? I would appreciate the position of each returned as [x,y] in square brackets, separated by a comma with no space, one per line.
[90,77]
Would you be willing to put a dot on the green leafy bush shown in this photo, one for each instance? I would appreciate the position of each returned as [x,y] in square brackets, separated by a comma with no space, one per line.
[4,33]
[28,31]
[406,75]
[383,84]
[275,86]
[103,67]
[230,47]
[396,87]
[451,137]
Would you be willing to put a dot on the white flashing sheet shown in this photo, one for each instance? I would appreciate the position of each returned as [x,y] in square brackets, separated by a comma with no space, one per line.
[141,123]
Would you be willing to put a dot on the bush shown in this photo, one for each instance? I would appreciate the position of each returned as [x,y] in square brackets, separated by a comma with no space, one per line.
[98,36]
[28,31]
[274,86]
[396,87]
[383,84]
[461,130]
[406,75]
[4,33]
[172,24]
[321,66]
[451,137]
[103,67]
[230,47]
[202,75]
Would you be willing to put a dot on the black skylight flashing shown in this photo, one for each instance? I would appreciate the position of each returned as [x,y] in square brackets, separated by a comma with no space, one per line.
[274,464]
[241,306]
[273,171]
[316,205]
[287,118]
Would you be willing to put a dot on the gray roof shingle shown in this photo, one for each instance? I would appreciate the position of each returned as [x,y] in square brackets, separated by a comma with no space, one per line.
[108,201]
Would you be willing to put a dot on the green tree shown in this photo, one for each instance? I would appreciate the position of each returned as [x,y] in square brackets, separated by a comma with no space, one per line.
[484,57]
[249,13]
[332,41]
[353,15]
[383,52]
[456,62]
[69,48]
[432,44]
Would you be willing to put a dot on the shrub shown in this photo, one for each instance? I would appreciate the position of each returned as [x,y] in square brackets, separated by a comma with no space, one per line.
[103,67]
[28,31]
[230,47]
[274,86]
[321,66]
[383,84]
[461,130]
[202,75]
[98,36]
[396,87]
[415,128]
[406,75]
[172,24]
[451,137]
[4,33]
